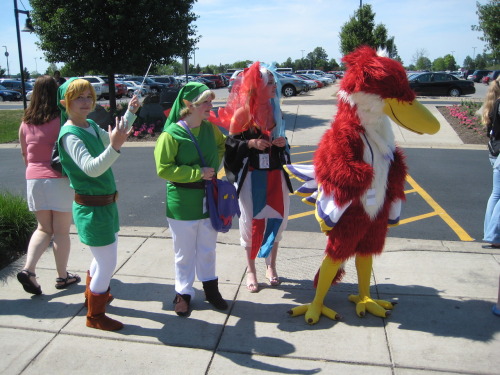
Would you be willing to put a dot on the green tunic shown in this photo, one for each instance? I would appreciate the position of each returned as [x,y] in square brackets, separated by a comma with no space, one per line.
[96,225]
[177,160]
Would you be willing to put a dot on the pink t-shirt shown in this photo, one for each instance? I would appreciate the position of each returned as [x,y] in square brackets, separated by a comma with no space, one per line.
[37,142]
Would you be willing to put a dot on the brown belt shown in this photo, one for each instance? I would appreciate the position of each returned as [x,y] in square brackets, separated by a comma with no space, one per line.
[189,185]
[96,200]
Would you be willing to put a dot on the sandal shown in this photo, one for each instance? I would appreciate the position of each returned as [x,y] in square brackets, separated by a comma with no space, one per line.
[71,278]
[252,287]
[273,280]
[29,286]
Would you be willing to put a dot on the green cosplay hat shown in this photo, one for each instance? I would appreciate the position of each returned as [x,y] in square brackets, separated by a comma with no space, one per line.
[60,96]
[189,92]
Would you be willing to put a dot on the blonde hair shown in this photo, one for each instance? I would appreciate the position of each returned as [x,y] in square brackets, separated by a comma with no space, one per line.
[75,89]
[491,98]
[197,101]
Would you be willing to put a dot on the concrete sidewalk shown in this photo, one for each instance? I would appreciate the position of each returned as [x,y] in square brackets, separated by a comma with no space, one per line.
[442,323]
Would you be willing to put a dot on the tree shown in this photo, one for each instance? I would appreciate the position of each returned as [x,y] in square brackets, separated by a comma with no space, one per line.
[480,61]
[112,36]
[360,29]
[469,63]
[418,54]
[489,16]
[423,63]
[438,64]
[449,62]
[2,72]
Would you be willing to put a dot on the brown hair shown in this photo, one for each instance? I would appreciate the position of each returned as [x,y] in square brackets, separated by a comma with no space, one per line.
[43,106]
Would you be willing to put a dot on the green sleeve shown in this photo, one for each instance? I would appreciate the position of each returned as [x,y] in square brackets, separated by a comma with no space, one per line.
[220,141]
[166,166]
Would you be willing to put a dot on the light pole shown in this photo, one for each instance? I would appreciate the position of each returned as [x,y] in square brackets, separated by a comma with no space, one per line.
[473,53]
[36,66]
[28,27]
[7,56]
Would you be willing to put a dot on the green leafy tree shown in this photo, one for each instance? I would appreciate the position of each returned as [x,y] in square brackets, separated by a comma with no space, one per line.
[438,64]
[449,62]
[469,63]
[423,63]
[480,61]
[112,36]
[360,29]
[489,25]
[2,72]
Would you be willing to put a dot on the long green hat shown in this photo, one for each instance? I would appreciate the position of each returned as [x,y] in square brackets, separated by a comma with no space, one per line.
[60,96]
[189,92]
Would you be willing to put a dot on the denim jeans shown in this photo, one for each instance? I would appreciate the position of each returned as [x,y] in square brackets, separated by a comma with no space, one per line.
[492,216]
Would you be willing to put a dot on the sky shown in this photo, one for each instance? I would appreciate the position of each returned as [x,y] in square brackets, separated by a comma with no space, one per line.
[274,30]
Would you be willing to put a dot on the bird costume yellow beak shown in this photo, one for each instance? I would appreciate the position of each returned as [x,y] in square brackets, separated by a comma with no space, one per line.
[412,116]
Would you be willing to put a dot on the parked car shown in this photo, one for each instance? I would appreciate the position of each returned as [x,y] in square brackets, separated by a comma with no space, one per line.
[170,81]
[210,84]
[153,86]
[7,95]
[478,75]
[319,83]
[15,85]
[326,80]
[310,83]
[490,77]
[100,86]
[132,87]
[440,84]
[217,79]
[289,86]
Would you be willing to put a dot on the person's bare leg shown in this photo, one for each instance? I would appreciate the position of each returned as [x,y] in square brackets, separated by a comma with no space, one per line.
[61,241]
[39,242]
[271,273]
[252,284]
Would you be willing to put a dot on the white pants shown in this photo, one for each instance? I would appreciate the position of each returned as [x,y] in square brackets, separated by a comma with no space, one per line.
[246,207]
[103,265]
[194,249]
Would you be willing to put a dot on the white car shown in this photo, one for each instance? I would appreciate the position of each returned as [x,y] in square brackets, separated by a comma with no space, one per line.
[133,86]
[100,86]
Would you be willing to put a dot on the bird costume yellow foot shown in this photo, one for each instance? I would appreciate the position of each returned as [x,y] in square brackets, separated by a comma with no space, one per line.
[315,309]
[363,300]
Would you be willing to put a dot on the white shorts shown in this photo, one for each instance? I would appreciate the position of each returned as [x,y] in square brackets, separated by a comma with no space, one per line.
[53,194]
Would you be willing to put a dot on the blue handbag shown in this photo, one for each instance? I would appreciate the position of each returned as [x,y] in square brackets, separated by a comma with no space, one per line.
[222,199]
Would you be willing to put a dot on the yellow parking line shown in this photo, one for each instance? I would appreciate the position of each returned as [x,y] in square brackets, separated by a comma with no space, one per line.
[461,233]
[302,214]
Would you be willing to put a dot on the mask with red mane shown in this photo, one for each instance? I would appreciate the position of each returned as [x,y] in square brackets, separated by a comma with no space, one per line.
[371,73]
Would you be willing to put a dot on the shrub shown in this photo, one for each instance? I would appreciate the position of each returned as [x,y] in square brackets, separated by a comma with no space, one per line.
[17,224]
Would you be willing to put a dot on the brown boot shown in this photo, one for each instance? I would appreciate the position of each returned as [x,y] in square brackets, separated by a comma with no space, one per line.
[87,291]
[96,317]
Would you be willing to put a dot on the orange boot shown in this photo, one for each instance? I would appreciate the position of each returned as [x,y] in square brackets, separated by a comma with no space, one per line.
[96,317]
[87,291]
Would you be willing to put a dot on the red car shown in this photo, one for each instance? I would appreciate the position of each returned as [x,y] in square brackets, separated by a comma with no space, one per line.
[215,79]
[120,89]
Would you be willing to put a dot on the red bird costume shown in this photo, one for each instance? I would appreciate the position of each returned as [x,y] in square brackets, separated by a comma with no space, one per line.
[361,173]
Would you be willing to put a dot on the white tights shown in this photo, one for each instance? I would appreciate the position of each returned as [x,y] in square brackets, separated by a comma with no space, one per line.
[102,267]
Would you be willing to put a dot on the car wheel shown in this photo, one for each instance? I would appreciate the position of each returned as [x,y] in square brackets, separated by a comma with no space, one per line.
[154,90]
[130,93]
[1,98]
[288,91]
[454,92]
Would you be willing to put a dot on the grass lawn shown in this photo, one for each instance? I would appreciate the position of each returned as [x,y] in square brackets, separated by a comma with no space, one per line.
[9,124]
